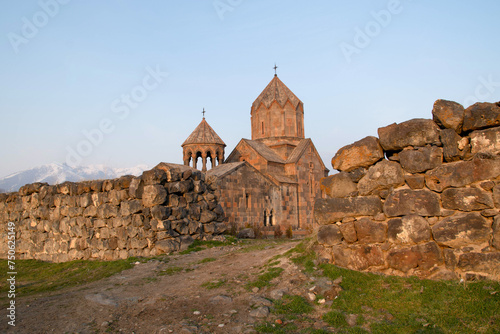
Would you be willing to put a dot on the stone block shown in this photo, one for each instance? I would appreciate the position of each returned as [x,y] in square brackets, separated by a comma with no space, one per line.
[331,210]
[136,188]
[130,207]
[106,211]
[462,173]
[167,246]
[448,114]
[480,262]
[329,235]
[362,153]
[415,181]
[154,195]
[362,257]
[348,231]
[421,159]
[408,202]
[369,231]
[338,185]
[411,229]
[495,242]
[462,230]
[180,187]
[430,255]
[384,175]
[154,176]
[485,141]
[160,212]
[466,199]
[481,115]
[415,132]
[403,259]
[207,216]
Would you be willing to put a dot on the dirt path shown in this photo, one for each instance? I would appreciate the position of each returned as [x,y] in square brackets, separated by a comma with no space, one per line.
[200,292]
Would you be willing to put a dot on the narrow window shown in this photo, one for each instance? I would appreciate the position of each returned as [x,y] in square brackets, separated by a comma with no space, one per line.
[247,200]
[262,127]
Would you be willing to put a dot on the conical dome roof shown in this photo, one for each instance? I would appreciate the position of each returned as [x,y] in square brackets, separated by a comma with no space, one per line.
[204,134]
[277,91]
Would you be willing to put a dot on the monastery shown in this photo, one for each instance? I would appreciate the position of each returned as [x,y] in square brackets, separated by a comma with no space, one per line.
[272,179]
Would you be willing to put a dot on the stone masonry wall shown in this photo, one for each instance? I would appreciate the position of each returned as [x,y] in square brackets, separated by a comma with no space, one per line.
[421,199]
[161,211]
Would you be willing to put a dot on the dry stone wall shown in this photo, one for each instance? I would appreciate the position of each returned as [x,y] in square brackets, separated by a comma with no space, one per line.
[162,211]
[421,199]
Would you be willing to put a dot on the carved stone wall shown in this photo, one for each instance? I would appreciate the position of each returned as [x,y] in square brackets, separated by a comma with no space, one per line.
[161,211]
[421,199]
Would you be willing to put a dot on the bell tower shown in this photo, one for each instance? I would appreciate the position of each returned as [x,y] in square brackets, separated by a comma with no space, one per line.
[278,118]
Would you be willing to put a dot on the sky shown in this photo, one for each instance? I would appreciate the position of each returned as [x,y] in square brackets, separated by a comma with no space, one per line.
[123,83]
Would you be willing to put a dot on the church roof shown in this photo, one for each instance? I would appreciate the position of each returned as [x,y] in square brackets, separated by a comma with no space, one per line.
[264,151]
[203,134]
[277,91]
[298,151]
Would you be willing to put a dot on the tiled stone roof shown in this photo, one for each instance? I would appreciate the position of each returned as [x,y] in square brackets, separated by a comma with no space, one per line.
[203,134]
[264,151]
[277,91]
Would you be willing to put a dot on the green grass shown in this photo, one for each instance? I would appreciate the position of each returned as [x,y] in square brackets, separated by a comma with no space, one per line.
[170,271]
[207,259]
[265,278]
[292,306]
[34,276]
[214,284]
[199,245]
[388,304]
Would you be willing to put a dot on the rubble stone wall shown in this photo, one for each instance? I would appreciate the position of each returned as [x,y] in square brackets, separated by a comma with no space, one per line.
[421,199]
[161,211]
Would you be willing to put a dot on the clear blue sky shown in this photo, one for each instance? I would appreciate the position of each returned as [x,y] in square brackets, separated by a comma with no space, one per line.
[67,67]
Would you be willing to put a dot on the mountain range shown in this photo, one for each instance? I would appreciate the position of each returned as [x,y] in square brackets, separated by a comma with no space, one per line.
[55,173]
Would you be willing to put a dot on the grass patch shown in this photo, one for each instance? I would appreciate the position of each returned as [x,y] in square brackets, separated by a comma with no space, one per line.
[170,271]
[265,278]
[199,245]
[292,306]
[214,284]
[268,327]
[410,305]
[34,276]
[207,259]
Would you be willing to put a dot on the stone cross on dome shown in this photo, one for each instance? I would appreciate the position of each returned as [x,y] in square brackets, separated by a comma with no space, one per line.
[203,112]
[275,68]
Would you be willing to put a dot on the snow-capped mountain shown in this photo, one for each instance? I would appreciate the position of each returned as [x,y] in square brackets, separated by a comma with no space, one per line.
[55,173]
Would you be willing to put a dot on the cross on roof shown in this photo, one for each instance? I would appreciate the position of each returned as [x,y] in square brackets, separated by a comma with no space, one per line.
[203,112]
[275,68]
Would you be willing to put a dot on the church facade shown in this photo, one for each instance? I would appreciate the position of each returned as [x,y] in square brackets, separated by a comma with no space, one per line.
[271,179]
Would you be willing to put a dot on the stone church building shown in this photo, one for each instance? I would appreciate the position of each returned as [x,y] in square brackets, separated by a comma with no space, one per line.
[268,181]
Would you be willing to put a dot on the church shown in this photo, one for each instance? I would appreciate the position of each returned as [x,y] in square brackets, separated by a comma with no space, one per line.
[271,180]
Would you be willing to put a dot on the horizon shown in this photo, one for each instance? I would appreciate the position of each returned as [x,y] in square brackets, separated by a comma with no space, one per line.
[123,84]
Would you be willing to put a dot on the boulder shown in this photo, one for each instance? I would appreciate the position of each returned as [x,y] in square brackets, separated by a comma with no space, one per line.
[329,235]
[430,255]
[207,216]
[415,132]
[338,185]
[403,259]
[462,173]
[136,187]
[154,176]
[481,115]
[448,115]
[454,147]
[154,195]
[246,233]
[348,232]
[461,230]
[480,262]
[421,159]
[369,231]
[331,210]
[408,202]
[411,229]
[485,141]
[466,199]
[495,242]
[415,181]
[383,175]
[362,257]
[363,153]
